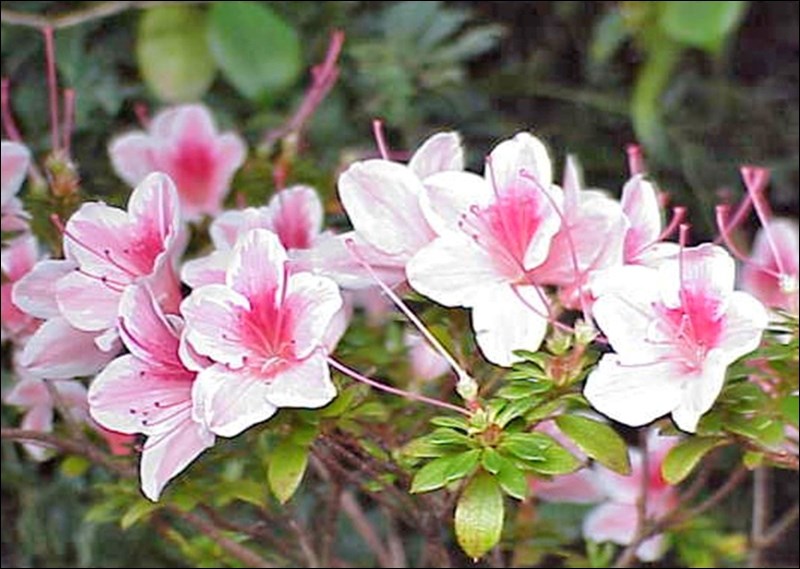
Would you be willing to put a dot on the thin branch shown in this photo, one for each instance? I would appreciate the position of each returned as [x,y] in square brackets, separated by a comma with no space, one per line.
[208,528]
[780,527]
[301,534]
[365,529]
[93,13]
[760,515]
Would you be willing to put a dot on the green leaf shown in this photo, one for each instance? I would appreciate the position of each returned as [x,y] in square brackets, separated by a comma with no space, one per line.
[491,460]
[556,460]
[172,53]
[684,457]
[285,469]
[609,34]
[598,440]
[702,25]
[257,51]
[137,512]
[452,422]
[763,430]
[522,389]
[479,515]
[444,436]
[443,470]
[512,480]
[527,446]
[75,466]
[790,408]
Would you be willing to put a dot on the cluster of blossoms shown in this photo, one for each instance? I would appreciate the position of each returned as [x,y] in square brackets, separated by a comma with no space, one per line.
[268,304]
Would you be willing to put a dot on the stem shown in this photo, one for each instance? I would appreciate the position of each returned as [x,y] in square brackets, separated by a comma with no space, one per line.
[394,390]
[365,529]
[52,87]
[780,527]
[761,507]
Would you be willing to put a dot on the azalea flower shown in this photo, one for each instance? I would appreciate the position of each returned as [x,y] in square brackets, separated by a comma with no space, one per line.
[32,394]
[492,232]
[426,363]
[17,260]
[13,168]
[111,249]
[262,332]
[616,518]
[184,143]
[674,330]
[644,243]
[149,391]
[774,280]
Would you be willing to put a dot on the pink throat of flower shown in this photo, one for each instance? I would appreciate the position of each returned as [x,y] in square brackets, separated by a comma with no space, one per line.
[694,327]
[192,168]
[267,330]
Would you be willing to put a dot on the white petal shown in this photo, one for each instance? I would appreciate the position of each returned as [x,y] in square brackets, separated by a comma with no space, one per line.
[206,270]
[634,394]
[257,264]
[453,271]
[312,301]
[230,401]
[700,392]
[505,320]
[439,153]
[744,322]
[707,269]
[510,157]
[611,522]
[35,293]
[305,384]
[450,195]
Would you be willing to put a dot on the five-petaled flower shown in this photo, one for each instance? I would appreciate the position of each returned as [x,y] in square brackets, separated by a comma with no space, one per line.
[263,333]
[675,330]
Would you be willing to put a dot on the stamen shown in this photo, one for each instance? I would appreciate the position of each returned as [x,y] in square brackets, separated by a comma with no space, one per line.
[380,139]
[722,211]
[756,180]
[52,85]
[395,391]
[636,163]
[460,372]
[5,108]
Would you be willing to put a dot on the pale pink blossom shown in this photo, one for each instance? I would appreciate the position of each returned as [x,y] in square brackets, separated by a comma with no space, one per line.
[576,251]
[56,349]
[13,168]
[34,395]
[644,243]
[675,331]
[775,281]
[263,333]
[149,391]
[382,197]
[184,143]
[17,260]
[492,232]
[426,363]
[616,518]
[111,249]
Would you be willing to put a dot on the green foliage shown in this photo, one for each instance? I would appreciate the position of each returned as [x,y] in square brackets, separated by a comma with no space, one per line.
[173,55]
[597,440]
[685,456]
[703,25]
[257,50]
[479,515]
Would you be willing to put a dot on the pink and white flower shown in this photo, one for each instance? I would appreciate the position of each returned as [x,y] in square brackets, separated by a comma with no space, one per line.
[183,142]
[492,231]
[111,249]
[616,518]
[17,260]
[33,395]
[643,240]
[675,331]
[426,363]
[149,391]
[13,168]
[772,273]
[263,332]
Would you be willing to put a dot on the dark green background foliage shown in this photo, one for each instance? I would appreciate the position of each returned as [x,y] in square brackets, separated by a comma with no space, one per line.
[588,77]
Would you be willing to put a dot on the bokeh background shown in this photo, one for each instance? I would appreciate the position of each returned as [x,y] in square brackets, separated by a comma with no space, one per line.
[705,88]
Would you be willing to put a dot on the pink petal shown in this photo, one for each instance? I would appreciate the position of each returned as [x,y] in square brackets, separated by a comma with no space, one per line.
[94,235]
[206,270]
[523,152]
[87,303]
[59,351]
[13,168]
[227,227]
[296,216]
[258,265]
[505,321]
[441,152]
[640,204]
[382,201]
[168,454]
[576,488]
[73,395]
[29,392]
[706,271]
[230,401]
[132,157]
[128,396]
[212,325]
[145,330]
[39,419]
[14,217]
[231,154]
[758,276]
[611,522]
[154,208]
[35,293]
[572,183]
[453,271]
[304,384]
[331,256]
[312,302]
[426,363]
[119,444]
[635,394]
[19,256]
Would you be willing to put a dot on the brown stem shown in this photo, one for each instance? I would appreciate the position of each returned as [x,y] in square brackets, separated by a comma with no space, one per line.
[301,534]
[780,527]
[761,507]
[365,529]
